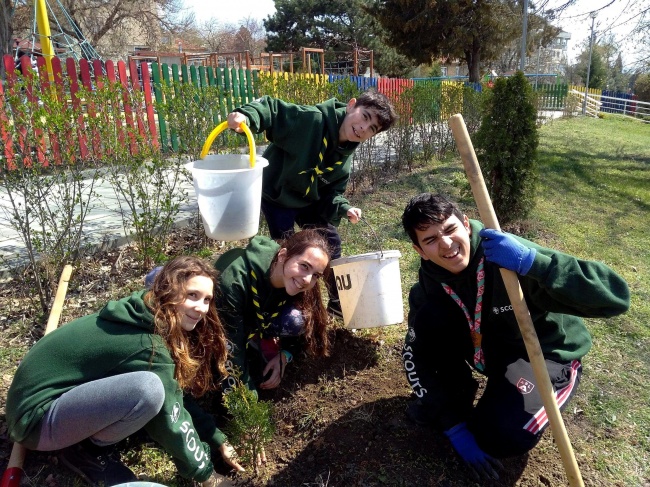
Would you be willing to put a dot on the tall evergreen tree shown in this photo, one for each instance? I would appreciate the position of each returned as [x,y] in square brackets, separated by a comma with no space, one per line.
[473,30]
[597,68]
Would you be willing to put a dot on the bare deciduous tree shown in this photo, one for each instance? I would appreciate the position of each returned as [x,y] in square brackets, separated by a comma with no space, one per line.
[217,37]
[111,26]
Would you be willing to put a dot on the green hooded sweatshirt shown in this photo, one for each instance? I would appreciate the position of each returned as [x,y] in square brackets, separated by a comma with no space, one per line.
[307,165]
[242,271]
[117,340]
[558,289]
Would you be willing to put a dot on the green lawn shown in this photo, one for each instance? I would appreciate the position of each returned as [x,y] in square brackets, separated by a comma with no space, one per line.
[593,202]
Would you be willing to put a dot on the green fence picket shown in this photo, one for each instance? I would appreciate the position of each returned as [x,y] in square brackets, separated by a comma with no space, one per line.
[158,94]
[221,84]
[235,88]
[175,81]
[227,89]
[212,83]
[249,85]
[256,79]
[242,86]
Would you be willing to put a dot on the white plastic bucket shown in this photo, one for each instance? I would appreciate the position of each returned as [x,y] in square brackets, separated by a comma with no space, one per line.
[229,194]
[229,189]
[370,289]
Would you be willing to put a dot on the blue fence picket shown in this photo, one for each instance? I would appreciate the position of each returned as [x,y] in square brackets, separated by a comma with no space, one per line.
[616,106]
[362,82]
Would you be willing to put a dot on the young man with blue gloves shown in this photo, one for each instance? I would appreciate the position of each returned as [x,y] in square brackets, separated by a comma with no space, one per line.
[461,319]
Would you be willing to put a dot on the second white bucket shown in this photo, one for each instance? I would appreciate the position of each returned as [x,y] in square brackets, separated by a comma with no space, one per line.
[229,194]
[370,289]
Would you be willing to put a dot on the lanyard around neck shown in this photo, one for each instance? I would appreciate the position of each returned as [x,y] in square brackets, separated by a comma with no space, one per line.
[474,325]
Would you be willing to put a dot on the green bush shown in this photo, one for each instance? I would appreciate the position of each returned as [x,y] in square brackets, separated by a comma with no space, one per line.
[506,146]
[305,90]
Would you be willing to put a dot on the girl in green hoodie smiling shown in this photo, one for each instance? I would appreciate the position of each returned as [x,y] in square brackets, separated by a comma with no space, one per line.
[270,302]
[133,365]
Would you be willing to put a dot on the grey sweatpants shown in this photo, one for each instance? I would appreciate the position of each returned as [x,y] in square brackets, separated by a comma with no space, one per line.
[105,410]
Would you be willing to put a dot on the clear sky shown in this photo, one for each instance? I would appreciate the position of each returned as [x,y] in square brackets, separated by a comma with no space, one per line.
[616,16]
[231,11]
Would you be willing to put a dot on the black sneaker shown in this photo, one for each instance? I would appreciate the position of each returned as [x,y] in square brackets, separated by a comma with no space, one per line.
[96,465]
[334,309]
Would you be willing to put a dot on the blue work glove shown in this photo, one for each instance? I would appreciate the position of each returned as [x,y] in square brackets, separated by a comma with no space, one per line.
[505,251]
[465,445]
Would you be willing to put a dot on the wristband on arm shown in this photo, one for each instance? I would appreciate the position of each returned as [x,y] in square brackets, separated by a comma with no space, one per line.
[287,355]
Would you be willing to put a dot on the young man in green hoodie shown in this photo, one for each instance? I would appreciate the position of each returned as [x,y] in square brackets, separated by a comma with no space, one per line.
[310,159]
[461,319]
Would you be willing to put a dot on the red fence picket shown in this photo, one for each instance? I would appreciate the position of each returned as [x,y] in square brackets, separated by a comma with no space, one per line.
[76,104]
[7,141]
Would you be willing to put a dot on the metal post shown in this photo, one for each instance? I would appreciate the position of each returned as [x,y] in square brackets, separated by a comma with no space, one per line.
[522,62]
[591,45]
[539,50]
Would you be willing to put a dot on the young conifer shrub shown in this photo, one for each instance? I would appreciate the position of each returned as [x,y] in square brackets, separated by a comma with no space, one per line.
[506,146]
[251,425]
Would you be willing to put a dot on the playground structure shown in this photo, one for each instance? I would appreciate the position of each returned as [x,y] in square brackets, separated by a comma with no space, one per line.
[306,60]
[309,60]
[54,42]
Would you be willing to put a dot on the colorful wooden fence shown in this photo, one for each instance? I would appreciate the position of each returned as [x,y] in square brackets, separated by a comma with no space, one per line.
[233,86]
[593,93]
[552,96]
[67,82]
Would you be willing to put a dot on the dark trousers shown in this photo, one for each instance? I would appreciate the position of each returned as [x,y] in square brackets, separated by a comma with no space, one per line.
[281,223]
[509,417]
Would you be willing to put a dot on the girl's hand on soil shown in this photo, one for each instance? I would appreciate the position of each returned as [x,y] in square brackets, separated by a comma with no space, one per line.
[235,119]
[276,366]
[217,480]
[229,454]
[354,215]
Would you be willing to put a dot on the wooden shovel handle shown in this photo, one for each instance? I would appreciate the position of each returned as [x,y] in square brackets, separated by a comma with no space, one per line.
[13,474]
[59,299]
[516,295]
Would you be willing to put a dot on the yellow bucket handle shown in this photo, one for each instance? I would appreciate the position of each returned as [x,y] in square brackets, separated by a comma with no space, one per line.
[220,128]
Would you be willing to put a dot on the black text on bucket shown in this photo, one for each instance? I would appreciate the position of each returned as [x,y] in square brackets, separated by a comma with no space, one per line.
[341,284]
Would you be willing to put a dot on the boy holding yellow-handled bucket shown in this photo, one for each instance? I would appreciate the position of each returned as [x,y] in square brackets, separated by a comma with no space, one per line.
[310,159]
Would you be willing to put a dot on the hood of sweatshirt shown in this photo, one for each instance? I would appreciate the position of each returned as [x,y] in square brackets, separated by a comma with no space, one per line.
[129,311]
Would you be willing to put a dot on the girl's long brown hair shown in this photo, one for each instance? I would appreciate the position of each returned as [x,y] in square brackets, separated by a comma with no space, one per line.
[310,303]
[196,353]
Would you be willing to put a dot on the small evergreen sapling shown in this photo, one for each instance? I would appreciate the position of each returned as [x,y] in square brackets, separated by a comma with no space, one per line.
[251,426]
